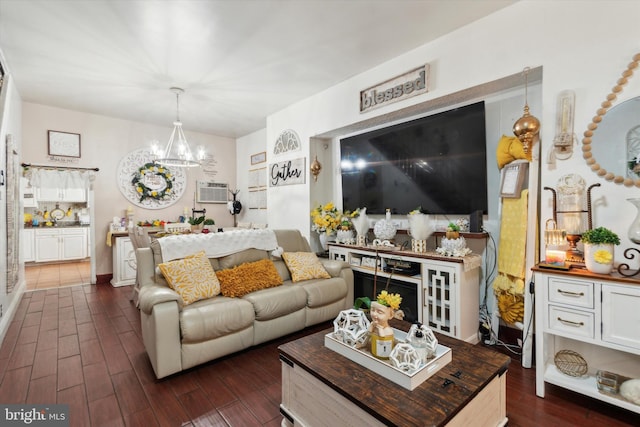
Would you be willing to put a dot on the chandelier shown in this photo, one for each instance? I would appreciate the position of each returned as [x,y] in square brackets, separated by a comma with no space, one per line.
[177,152]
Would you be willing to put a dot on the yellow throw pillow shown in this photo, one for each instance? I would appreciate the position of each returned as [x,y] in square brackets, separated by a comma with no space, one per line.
[192,277]
[510,149]
[304,266]
[248,277]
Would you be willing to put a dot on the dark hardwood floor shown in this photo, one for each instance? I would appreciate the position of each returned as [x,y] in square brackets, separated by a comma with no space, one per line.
[81,346]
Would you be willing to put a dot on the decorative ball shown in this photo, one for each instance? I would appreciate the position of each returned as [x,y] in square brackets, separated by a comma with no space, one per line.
[405,357]
[384,230]
[425,340]
[351,327]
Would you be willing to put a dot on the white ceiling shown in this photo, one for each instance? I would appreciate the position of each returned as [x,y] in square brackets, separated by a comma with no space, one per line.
[238,60]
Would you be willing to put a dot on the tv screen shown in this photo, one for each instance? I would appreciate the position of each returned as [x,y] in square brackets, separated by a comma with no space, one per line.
[436,162]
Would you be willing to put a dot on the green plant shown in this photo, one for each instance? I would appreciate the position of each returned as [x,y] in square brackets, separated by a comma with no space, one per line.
[600,235]
[196,221]
[453,227]
[209,221]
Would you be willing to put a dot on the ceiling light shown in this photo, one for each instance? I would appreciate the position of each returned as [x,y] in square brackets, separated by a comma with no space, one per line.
[177,152]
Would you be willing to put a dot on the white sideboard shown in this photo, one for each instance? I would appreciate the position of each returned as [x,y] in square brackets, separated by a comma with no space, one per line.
[594,315]
[447,290]
[124,262]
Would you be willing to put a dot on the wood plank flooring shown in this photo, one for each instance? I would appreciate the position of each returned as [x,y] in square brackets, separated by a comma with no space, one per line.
[81,345]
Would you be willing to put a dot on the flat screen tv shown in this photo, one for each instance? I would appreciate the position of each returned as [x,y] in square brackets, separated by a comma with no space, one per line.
[436,162]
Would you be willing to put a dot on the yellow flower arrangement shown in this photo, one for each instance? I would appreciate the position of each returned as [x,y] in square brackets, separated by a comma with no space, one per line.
[325,219]
[390,300]
[603,257]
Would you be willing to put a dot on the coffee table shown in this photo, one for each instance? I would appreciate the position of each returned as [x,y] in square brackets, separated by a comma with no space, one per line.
[323,388]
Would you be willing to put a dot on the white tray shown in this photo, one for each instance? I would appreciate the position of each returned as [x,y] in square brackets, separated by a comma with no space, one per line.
[385,368]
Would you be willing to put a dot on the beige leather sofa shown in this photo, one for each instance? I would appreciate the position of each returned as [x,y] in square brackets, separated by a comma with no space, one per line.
[177,337]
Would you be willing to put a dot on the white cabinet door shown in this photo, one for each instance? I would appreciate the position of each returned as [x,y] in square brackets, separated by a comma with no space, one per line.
[47,245]
[74,195]
[48,195]
[621,315]
[439,297]
[28,245]
[74,243]
[61,194]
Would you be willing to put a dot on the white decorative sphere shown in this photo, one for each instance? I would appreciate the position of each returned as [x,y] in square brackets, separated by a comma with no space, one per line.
[351,327]
[405,357]
[384,229]
[453,245]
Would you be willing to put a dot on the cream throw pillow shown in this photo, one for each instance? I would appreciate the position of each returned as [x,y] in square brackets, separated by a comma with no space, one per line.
[304,266]
[192,277]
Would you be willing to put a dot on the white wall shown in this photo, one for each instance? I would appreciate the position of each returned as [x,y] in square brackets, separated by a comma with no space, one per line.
[11,125]
[581,45]
[246,147]
[104,142]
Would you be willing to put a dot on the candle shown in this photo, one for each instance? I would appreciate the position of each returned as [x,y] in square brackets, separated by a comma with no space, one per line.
[554,256]
[129,210]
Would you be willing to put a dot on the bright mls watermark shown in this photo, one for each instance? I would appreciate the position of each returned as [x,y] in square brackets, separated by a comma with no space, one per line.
[34,415]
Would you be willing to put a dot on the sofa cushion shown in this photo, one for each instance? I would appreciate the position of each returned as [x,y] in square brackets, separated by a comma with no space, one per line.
[248,277]
[192,277]
[277,302]
[244,256]
[215,317]
[304,266]
[321,292]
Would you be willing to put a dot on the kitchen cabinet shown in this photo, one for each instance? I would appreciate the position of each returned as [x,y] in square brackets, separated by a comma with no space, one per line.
[594,315]
[60,244]
[28,245]
[61,194]
[124,262]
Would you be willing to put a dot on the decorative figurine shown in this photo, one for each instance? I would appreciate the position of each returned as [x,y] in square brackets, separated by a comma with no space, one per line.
[381,333]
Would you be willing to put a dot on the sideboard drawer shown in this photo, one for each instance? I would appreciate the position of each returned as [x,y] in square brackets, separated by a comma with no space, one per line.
[572,322]
[571,292]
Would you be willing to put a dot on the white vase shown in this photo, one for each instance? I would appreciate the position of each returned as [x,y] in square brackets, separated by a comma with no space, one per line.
[634,229]
[325,238]
[384,228]
[598,258]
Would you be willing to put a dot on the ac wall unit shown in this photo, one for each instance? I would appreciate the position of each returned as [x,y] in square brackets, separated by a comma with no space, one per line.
[211,192]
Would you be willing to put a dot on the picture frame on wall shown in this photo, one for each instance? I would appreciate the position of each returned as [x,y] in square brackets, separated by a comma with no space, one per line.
[514,179]
[64,144]
[259,158]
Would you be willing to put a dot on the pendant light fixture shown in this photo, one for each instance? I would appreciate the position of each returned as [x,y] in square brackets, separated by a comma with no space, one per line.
[177,152]
[527,127]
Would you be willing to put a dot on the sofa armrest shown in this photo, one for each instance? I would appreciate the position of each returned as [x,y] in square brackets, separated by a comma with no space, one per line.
[153,294]
[334,267]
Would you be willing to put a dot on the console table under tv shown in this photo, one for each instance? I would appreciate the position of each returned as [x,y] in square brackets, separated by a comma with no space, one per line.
[321,387]
[442,292]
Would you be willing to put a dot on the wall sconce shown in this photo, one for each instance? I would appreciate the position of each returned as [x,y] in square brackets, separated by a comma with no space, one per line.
[527,127]
[564,139]
[316,167]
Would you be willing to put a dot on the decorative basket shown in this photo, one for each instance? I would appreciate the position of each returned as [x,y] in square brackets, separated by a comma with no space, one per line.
[570,363]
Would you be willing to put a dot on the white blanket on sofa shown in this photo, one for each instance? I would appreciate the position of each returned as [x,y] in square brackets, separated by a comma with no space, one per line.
[216,244]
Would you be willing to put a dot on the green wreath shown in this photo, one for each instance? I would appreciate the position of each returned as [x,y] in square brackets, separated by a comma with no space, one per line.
[146,192]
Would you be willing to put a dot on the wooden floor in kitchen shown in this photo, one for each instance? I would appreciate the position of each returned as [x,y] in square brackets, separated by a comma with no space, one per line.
[56,275]
[81,346]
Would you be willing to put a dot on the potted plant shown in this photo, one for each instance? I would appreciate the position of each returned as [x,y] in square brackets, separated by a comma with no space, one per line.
[453,231]
[196,223]
[598,249]
[209,224]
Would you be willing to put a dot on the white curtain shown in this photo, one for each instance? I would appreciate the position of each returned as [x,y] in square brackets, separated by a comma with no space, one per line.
[50,178]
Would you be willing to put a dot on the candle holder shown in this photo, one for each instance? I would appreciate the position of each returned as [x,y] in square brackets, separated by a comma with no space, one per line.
[573,215]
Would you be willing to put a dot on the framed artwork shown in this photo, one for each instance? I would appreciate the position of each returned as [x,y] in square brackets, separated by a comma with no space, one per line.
[259,158]
[64,144]
[513,179]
